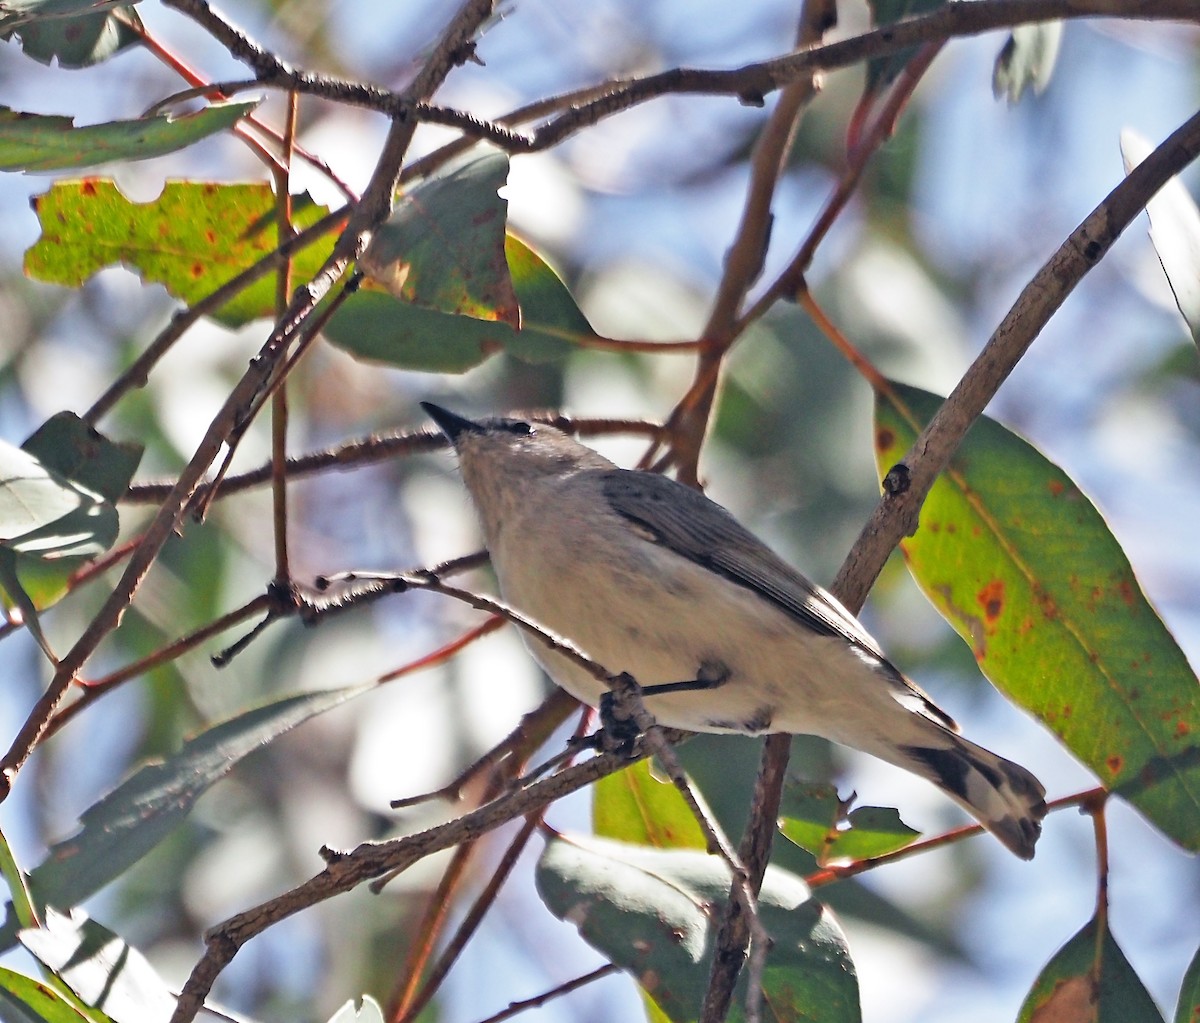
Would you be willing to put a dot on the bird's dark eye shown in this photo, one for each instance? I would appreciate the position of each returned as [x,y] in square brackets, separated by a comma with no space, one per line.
[519,428]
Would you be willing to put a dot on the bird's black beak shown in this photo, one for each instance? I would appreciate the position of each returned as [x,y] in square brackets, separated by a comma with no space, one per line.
[451,425]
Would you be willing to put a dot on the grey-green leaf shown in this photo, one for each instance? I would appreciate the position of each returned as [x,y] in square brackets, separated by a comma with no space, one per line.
[15,13]
[37,142]
[82,40]
[655,913]
[1026,59]
[101,968]
[131,820]
[1175,232]
[44,513]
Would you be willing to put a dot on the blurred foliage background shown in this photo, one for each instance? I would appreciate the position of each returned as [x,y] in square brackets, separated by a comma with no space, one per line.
[952,218]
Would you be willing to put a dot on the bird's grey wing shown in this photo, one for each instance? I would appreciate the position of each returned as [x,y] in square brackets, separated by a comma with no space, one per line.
[702,531]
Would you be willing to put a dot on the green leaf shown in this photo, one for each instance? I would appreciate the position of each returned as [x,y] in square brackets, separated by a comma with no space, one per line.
[384,329]
[101,968]
[881,71]
[814,818]
[1175,232]
[35,142]
[25,1000]
[15,13]
[1089,979]
[1026,59]
[655,913]
[633,806]
[1019,561]
[83,40]
[193,238]
[131,820]
[1188,1010]
[67,445]
[443,246]
[368,1012]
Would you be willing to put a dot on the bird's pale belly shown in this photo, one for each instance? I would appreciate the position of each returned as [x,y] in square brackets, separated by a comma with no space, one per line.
[691,623]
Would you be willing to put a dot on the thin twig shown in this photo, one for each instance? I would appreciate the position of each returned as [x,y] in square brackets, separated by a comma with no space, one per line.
[279,400]
[565,988]
[380,447]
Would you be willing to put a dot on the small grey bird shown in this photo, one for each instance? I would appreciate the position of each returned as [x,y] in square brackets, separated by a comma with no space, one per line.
[650,577]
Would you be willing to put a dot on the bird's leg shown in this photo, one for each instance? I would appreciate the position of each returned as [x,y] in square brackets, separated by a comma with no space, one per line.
[712,675]
[618,711]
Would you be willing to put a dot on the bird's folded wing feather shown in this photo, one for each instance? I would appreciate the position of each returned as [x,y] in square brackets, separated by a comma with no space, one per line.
[700,530]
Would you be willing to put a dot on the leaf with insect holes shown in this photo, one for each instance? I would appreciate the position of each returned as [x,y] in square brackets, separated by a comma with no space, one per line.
[1174,231]
[36,142]
[816,819]
[1024,567]
[1089,981]
[655,913]
[192,239]
[375,326]
[443,246]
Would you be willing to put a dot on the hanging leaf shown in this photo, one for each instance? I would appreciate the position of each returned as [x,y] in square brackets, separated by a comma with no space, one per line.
[46,514]
[192,239]
[100,968]
[443,246]
[15,13]
[655,914]
[1089,980]
[36,142]
[380,328]
[1026,59]
[816,819]
[1019,561]
[1175,232]
[633,806]
[82,40]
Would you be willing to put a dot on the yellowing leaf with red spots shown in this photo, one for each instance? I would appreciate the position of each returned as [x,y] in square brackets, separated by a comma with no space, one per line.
[192,239]
[1023,566]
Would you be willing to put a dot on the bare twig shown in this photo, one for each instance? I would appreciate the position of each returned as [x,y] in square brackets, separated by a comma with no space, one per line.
[381,448]
[347,870]
[565,988]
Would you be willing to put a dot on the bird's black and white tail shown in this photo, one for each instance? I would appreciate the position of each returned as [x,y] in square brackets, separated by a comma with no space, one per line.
[1004,797]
